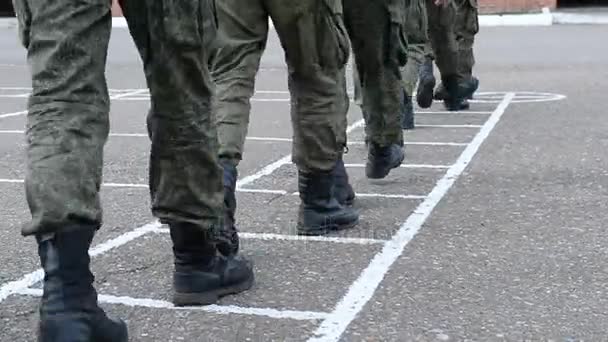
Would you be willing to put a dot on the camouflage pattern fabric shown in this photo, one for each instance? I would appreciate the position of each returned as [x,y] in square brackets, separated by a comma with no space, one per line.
[467,26]
[68,111]
[418,42]
[316,48]
[377,33]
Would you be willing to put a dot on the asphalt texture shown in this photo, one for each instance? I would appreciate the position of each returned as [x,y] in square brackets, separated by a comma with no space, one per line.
[514,249]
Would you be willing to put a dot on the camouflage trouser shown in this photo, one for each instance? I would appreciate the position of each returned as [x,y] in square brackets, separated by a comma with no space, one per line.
[444,48]
[68,121]
[467,26]
[376,29]
[417,38]
[316,48]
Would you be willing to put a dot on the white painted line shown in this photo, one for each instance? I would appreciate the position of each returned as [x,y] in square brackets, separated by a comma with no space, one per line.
[283,192]
[8,115]
[129,135]
[272,92]
[144,135]
[131,97]
[285,237]
[408,166]
[362,290]
[288,237]
[105,185]
[454,113]
[393,196]
[412,197]
[449,126]
[23,112]
[243,190]
[32,278]
[216,309]
[119,22]
[16,88]
[11,181]
[420,143]
[15,96]
[125,185]
[269,169]
[127,94]
[124,238]
[269,100]
[269,139]
[263,191]
[26,281]
[425,143]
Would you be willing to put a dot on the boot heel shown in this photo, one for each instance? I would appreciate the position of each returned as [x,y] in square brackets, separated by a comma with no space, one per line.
[111,331]
[191,299]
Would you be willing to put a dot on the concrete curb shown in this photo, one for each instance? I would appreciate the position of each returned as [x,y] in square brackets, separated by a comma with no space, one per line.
[580,18]
[545,18]
[534,19]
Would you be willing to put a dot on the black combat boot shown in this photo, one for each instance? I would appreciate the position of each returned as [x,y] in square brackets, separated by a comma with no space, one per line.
[228,240]
[69,311]
[440,93]
[381,160]
[426,84]
[468,88]
[455,93]
[343,191]
[201,275]
[407,121]
[320,212]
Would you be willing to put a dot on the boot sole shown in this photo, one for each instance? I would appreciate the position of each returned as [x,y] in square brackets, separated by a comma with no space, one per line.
[122,337]
[373,172]
[424,95]
[326,230]
[211,297]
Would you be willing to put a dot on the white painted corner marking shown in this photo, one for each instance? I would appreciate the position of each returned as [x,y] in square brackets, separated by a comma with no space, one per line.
[269,169]
[32,278]
[362,290]
[217,309]
[8,115]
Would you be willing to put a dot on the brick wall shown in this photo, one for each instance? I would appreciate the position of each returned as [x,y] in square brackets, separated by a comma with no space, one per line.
[116,9]
[514,6]
[486,6]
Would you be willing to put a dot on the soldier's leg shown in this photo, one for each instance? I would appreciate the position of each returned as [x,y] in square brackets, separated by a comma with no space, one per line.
[358,98]
[376,47]
[445,49]
[467,26]
[67,127]
[415,58]
[442,31]
[426,84]
[242,34]
[174,40]
[316,48]
[417,38]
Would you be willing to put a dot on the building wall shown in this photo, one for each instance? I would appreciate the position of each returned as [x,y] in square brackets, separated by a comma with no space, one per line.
[514,6]
[486,6]
[116,9]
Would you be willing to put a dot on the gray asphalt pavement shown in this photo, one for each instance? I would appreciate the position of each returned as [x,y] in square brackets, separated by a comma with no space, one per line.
[492,230]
